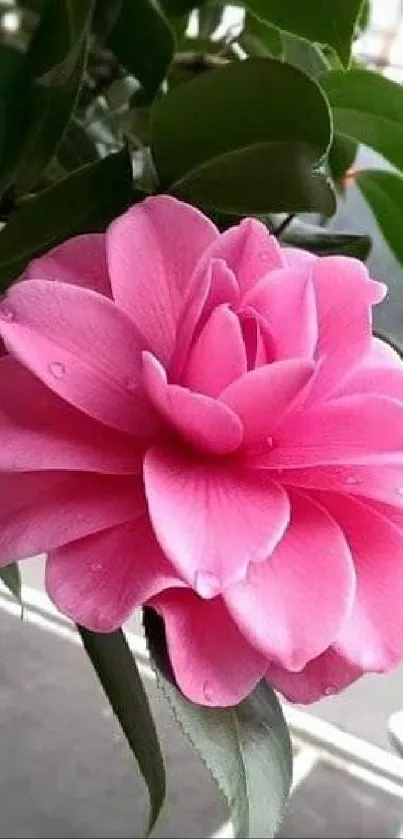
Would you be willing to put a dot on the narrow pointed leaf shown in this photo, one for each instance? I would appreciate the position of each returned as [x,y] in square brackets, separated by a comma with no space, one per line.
[117,672]
[11,577]
[384,193]
[143,42]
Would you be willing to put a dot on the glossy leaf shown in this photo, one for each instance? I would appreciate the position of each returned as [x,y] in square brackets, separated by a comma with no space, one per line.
[325,21]
[384,193]
[106,14]
[234,144]
[210,15]
[369,108]
[341,157]
[304,55]
[56,59]
[11,578]
[180,7]
[14,88]
[325,242]
[117,672]
[246,748]
[143,42]
[87,200]
[260,38]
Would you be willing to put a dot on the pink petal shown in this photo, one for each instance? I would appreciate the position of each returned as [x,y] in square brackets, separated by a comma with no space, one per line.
[249,251]
[292,606]
[326,675]
[218,355]
[211,520]
[206,424]
[381,381]
[38,430]
[98,581]
[83,347]
[153,250]
[253,336]
[382,483]
[372,637]
[286,301]
[347,431]
[381,354]
[41,511]
[212,662]
[79,261]
[297,257]
[263,396]
[344,296]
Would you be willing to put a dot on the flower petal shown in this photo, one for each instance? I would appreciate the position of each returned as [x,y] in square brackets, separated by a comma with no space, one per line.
[326,675]
[205,423]
[297,257]
[41,511]
[153,250]
[79,261]
[218,355]
[38,430]
[98,581]
[381,483]
[83,347]
[292,606]
[372,637]
[344,296]
[285,299]
[263,396]
[212,662]
[347,431]
[211,520]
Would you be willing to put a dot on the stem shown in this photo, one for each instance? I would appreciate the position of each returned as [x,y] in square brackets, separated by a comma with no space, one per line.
[284,224]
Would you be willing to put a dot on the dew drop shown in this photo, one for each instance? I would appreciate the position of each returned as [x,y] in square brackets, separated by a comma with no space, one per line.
[6,313]
[207,584]
[208,692]
[330,690]
[352,481]
[96,567]
[57,369]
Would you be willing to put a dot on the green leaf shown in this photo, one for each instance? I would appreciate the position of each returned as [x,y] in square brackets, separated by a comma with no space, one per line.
[325,242]
[14,105]
[106,14]
[329,22]
[11,577]
[57,59]
[260,39]
[369,108]
[143,41]
[179,7]
[210,16]
[246,748]
[384,193]
[117,671]
[304,55]
[341,157]
[87,200]
[230,142]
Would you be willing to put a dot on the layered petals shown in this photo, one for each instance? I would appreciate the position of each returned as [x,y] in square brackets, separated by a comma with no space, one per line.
[326,675]
[98,581]
[221,342]
[211,520]
[212,662]
[292,606]
[79,261]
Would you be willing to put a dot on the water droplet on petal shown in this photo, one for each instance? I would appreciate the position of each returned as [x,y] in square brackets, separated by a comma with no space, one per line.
[399,490]
[6,312]
[207,584]
[208,692]
[57,369]
[96,567]
[330,690]
[352,481]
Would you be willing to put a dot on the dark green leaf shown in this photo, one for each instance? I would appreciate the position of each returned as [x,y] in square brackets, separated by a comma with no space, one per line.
[341,157]
[76,148]
[304,55]
[14,104]
[143,41]
[246,748]
[260,39]
[57,59]
[87,200]
[179,7]
[105,16]
[369,108]
[210,17]
[325,242]
[117,671]
[11,577]
[384,193]
[325,21]
[216,136]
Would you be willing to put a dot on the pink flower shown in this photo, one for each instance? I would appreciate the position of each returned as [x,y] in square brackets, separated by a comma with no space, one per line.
[204,423]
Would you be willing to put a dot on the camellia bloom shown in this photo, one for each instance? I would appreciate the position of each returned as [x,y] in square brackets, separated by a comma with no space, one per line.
[203,422]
